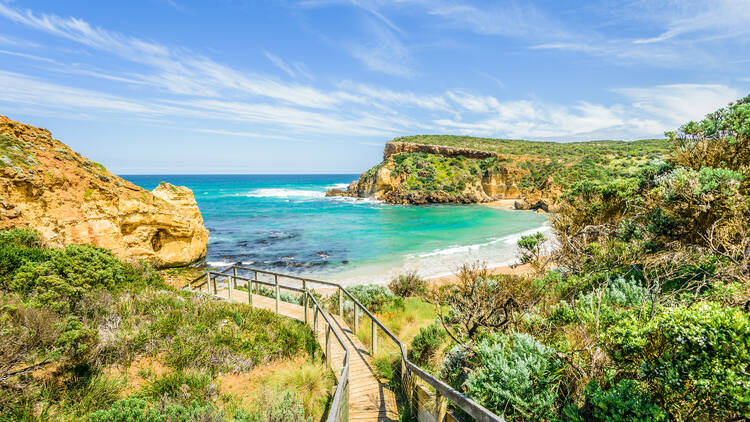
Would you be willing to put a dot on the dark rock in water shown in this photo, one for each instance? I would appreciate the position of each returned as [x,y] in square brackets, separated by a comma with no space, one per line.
[323,254]
[288,257]
[345,261]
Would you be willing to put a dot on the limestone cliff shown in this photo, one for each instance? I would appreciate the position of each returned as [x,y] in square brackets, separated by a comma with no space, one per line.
[414,173]
[71,200]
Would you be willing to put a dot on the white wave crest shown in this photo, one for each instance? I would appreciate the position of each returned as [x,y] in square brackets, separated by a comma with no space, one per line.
[510,240]
[285,193]
[338,186]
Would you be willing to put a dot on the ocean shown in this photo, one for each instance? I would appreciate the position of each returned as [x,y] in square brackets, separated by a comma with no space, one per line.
[285,223]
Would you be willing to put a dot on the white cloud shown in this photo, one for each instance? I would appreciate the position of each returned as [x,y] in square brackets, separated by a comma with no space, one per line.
[678,103]
[21,89]
[648,112]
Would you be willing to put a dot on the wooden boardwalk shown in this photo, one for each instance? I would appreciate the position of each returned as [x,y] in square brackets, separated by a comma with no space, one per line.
[369,398]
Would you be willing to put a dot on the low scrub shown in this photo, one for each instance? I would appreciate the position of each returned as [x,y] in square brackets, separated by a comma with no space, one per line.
[67,316]
[408,285]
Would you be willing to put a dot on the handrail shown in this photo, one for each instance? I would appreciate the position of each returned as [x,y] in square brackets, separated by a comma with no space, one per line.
[443,390]
[334,414]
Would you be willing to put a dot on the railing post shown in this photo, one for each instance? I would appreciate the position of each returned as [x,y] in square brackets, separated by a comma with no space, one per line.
[441,406]
[374,337]
[215,289]
[257,285]
[405,386]
[304,300]
[276,280]
[356,319]
[234,276]
[341,302]
[229,288]
[328,345]
[250,292]
[315,322]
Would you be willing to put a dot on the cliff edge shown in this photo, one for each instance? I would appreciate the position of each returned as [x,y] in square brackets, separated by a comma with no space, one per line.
[69,199]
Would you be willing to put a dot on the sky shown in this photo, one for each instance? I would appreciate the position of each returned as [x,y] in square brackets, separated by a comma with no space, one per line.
[318,86]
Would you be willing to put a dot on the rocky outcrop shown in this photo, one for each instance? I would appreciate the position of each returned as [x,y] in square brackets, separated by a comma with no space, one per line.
[69,199]
[494,180]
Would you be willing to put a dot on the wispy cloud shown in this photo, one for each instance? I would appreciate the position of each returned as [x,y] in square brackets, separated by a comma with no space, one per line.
[281,64]
[293,69]
[384,52]
[215,97]
[684,33]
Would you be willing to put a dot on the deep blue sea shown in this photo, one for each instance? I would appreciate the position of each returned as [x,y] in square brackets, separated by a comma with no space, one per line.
[285,222]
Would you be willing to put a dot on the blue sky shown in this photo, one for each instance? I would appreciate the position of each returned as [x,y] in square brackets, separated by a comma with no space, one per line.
[233,86]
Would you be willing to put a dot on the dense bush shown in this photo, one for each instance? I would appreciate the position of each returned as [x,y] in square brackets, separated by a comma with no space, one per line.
[59,278]
[512,374]
[426,344]
[694,359]
[625,402]
[408,285]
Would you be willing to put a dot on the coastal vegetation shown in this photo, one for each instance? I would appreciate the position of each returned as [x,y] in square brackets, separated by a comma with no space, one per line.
[86,336]
[641,314]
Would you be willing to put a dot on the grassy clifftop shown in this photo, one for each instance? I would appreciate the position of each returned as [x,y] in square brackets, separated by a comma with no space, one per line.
[460,169]
[555,150]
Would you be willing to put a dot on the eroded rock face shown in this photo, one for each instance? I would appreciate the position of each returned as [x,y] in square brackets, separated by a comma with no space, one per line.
[71,200]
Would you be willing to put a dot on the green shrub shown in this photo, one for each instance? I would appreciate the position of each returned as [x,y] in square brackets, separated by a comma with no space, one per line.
[128,410]
[59,277]
[283,296]
[182,386]
[626,401]
[692,359]
[408,285]
[455,367]
[514,375]
[374,297]
[137,410]
[426,344]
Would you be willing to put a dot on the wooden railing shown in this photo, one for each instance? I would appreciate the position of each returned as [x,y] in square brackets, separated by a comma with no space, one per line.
[410,374]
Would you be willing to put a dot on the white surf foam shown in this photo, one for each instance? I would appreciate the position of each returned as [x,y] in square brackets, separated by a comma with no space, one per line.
[285,193]
[509,239]
[338,186]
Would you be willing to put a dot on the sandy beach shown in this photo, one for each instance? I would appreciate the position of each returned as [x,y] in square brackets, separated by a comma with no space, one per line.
[503,204]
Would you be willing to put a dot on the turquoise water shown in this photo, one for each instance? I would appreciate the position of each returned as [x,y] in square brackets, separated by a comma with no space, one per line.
[285,222]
